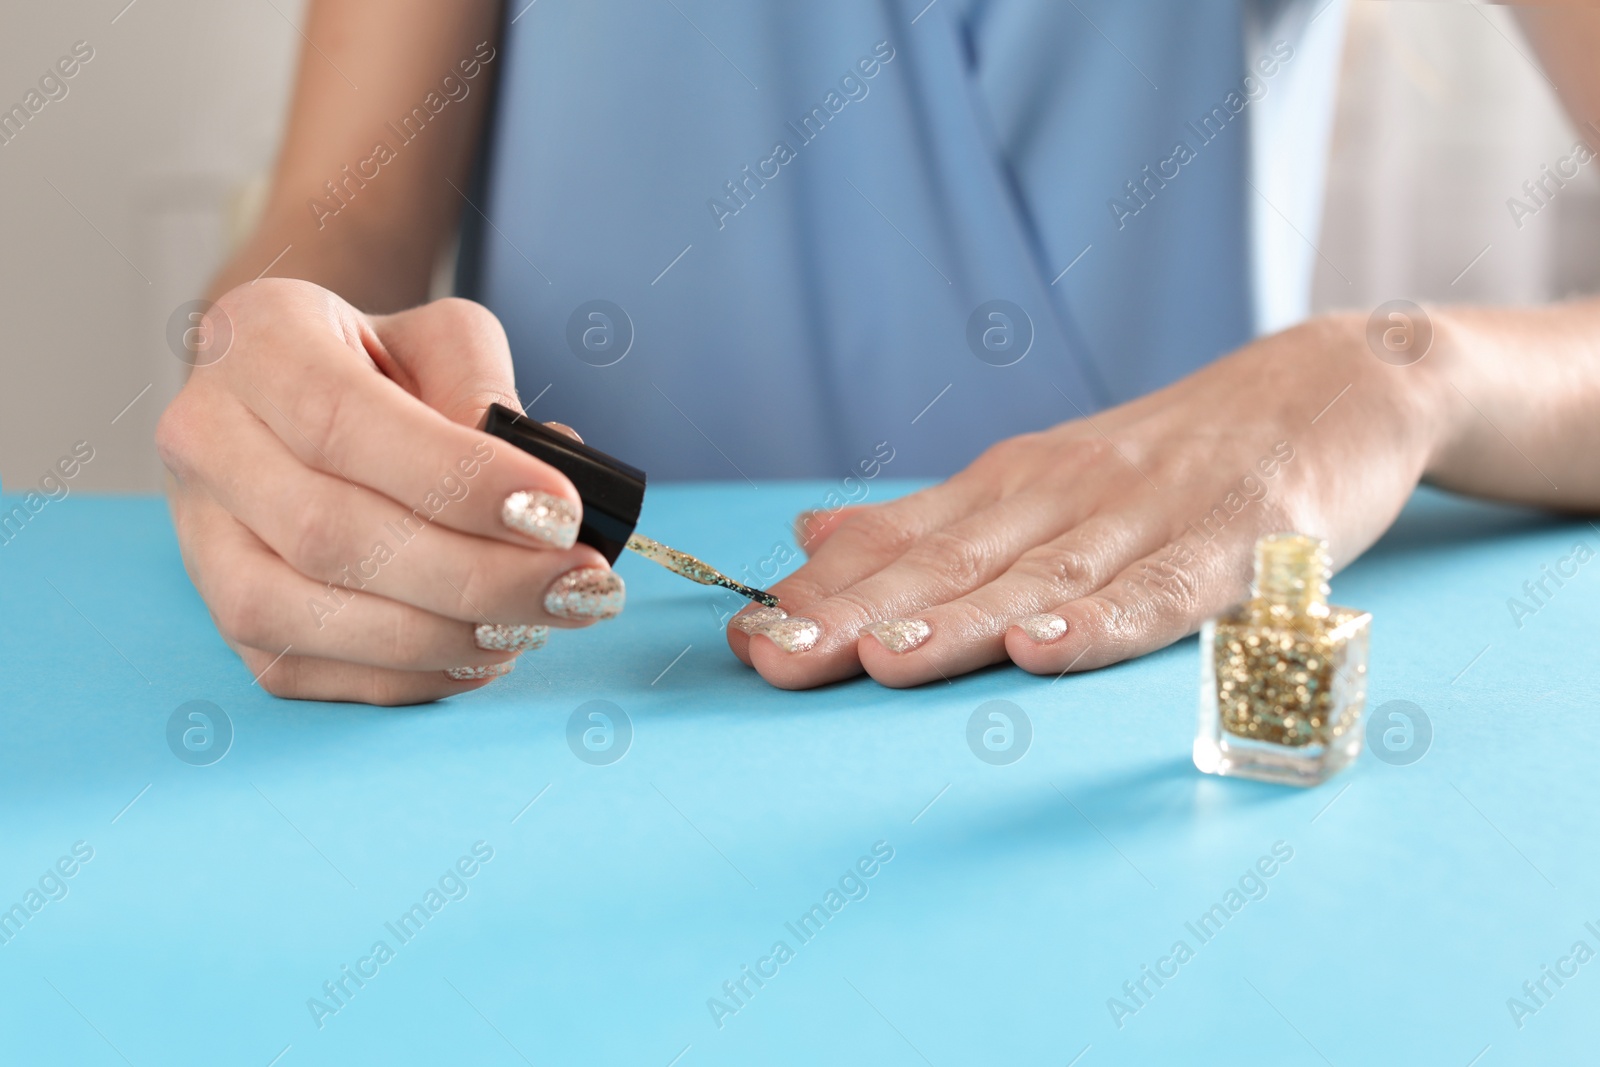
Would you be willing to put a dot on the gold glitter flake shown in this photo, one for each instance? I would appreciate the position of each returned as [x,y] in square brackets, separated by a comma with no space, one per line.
[1278,656]
[755,616]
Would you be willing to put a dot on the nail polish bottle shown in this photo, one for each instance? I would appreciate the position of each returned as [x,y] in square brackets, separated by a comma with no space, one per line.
[1283,676]
[613,495]
[612,491]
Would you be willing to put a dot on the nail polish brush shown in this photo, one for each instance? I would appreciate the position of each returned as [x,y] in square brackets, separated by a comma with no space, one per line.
[613,495]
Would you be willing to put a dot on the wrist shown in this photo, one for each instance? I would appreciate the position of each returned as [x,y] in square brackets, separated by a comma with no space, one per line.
[1432,378]
[1400,360]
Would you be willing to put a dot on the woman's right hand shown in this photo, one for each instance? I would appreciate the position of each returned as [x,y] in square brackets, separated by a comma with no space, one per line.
[353,533]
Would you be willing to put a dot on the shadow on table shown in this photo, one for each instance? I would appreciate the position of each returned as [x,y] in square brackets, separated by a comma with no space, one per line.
[1165,795]
[1435,519]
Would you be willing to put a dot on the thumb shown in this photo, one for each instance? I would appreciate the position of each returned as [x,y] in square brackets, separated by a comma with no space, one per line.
[452,355]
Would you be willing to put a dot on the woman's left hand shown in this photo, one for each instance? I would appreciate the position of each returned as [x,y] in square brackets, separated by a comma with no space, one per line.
[1112,536]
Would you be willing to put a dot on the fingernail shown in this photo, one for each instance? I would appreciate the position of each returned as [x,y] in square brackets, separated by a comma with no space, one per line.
[585,593]
[899,635]
[1043,628]
[798,634]
[496,637]
[550,520]
[756,616]
[475,674]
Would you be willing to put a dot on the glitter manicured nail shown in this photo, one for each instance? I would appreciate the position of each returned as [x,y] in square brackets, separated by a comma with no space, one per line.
[1043,628]
[495,637]
[798,634]
[550,520]
[476,674]
[899,635]
[585,593]
[756,617]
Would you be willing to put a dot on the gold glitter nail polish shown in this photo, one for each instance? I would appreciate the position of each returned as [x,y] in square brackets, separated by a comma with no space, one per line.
[798,634]
[585,593]
[898,635]
[1283,676]
[477,674]
[754,617]
[497,637]
[1043,628]
[547,519]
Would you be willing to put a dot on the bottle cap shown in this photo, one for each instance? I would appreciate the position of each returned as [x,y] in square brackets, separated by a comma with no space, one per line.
[612,491]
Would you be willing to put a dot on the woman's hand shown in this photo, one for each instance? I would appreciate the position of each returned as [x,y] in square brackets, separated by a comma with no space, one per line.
[1111,536]
[352,532]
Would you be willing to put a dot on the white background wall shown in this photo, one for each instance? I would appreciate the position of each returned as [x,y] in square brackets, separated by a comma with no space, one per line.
[167,132]
[1442,117]
[156,145]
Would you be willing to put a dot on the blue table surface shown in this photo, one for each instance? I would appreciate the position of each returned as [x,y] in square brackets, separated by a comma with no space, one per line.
[619,898]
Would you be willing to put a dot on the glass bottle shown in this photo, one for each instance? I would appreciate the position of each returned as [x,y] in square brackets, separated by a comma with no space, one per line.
[1283,676]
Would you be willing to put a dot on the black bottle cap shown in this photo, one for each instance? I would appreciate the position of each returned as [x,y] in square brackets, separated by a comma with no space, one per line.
[612,491]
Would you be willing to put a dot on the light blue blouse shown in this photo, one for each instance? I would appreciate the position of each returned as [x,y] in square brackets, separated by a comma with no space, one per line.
[765,238]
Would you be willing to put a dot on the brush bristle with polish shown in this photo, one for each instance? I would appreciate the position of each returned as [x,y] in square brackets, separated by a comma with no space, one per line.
[685,565]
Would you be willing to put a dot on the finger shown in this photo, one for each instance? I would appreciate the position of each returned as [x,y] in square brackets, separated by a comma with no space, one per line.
[303,678]
[355,540]
[871,538]
[319,396]
[1148,605]
[941,566]
[813,527]
[970,631]
[865,542]
[259,601]
[453,356]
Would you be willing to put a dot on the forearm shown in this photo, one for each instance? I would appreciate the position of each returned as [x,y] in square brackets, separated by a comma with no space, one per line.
[389,103]
[1517,394]
[368,270]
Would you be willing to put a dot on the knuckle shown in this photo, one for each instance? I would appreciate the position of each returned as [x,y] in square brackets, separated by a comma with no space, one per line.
[1083,452]
[459,310]
[878,528]
[277,686]
[1105,616]
[316,548]
[281,679]
[384,690]
[390,689]
[466,318]
[970,617]
[240,612]
[1005,465]
[956,558]
[269,291]
[854,602]
[478,587]
[176,435]
[319,421]
[1157,596]
[1064,572]
[408,638]
[1181,594]
[1004,454]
